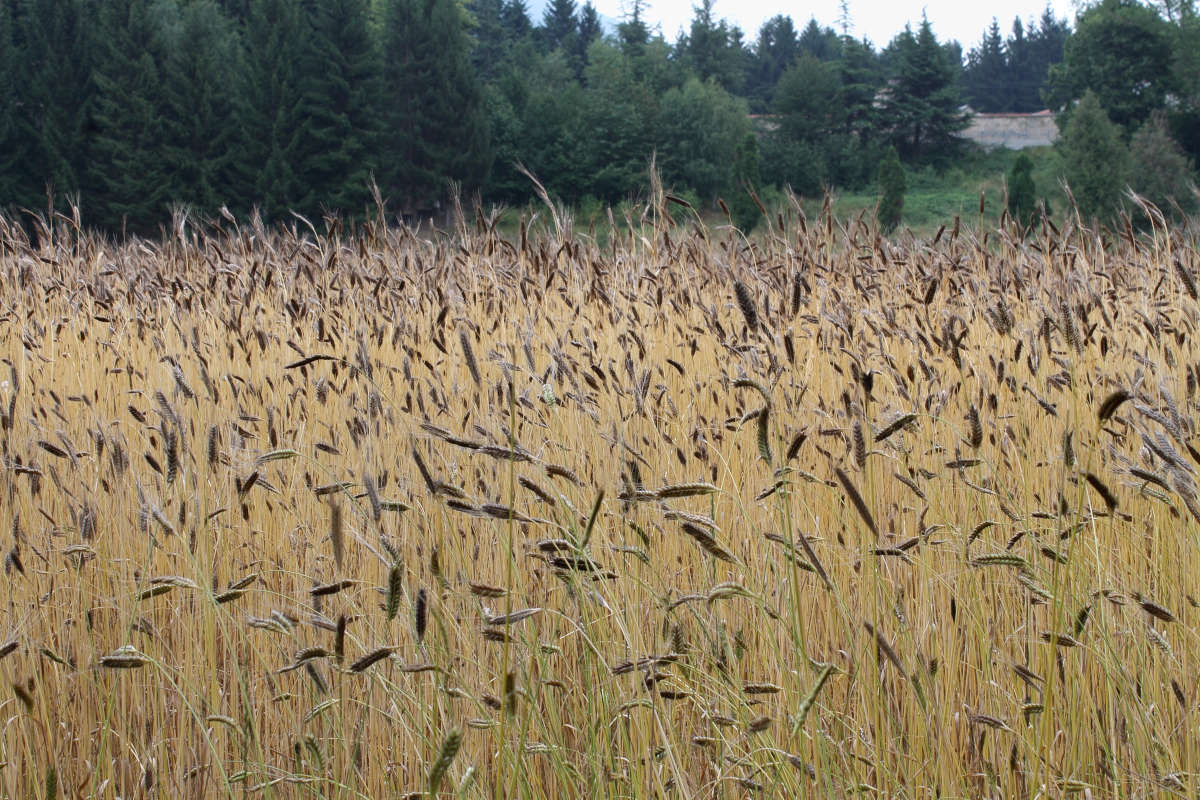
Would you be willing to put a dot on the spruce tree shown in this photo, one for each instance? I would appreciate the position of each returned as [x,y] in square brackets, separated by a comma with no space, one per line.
[632,32]
[9,104]
[892,186]
[203,62]
[339,83]
[55,42]
[774,51]
[1022,194]
[589,30]
[131,188]
[820,43]
[708,49]
[436,129]
[1162,172]
[272,108]
[986,77]
[1095,159]
[559,26]
[745,211]
[491,47]
[923,102]
[515,18]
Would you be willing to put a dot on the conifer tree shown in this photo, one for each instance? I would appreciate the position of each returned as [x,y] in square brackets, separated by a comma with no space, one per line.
[1095,158]
[339,84]
[515,18]
[892,186]
[54,42]
[986,77]
[1022,194]
[202,63]
[923,103]
[774,51]
[745,211]
[436,130]
[633,32]
[9,104]
[1162,172]
[491,46]
[130,187]
[272,108]
[559,26]
[588,31]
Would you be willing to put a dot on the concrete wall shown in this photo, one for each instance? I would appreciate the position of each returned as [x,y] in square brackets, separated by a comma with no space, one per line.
[1014,131]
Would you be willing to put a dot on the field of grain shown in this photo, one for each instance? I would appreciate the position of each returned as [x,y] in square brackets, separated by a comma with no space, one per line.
[649,511]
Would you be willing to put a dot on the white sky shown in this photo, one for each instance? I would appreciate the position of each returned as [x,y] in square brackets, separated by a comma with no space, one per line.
[877,20]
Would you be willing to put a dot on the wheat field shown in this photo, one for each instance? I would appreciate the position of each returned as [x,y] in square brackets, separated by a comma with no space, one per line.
[647,511]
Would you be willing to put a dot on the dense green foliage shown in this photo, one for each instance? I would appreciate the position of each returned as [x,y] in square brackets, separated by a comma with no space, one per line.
[1022,192]
[892,185]
[1163,173]
[1010,75]
[1095,158]
[140,107]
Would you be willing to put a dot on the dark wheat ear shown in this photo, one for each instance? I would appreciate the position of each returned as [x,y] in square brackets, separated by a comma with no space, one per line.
[856,500]
[336,533]
[975,432]
[213,443]
[746,303]
[860,445]
[1112,403]
[393,592]
[1186,278]
[464,338]
[420,611]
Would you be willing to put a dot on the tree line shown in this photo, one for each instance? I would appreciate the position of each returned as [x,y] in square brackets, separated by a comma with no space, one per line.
[139,106]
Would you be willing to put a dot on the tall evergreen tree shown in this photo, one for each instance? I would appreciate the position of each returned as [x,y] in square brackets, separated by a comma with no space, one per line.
[201,142]
[708,49]
[774,52]
[515,18]
[9,105]
[986,78]
[1046,47]
[559,26]
[340,84]
[132,190]
[491,47]
[589,30]
[1095,158]
[923,100]
[55,41]
[436,128]
[272,111]
[632,32]
[821,43]
[892,186]
[859,77]
[801,149]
